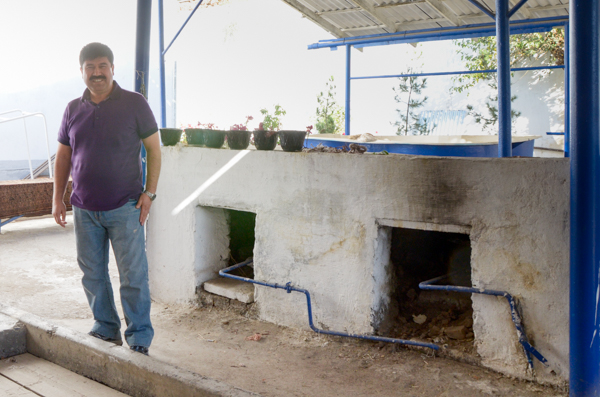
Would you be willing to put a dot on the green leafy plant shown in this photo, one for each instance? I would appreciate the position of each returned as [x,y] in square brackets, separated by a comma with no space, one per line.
[330,116]
[480,54]
[409,94]
[272,122]
[489,120]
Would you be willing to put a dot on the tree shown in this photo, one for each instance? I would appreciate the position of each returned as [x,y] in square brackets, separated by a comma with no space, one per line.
[408,93]
[481,54]
[330,116]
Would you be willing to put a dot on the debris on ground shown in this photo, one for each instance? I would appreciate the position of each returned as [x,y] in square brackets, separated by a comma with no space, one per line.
[256,337]
[352,149]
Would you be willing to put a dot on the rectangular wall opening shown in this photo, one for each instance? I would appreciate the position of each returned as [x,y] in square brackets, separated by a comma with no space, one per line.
[442,317]
[225,237]
[241,240]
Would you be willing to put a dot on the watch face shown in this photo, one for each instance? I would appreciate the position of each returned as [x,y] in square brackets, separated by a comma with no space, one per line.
[151,195]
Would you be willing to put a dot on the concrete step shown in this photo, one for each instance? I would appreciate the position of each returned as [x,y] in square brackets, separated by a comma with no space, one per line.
[230,288]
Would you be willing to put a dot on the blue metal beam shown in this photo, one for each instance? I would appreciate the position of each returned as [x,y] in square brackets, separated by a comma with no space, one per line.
[516,7]
[348,78]
[161,61]
[387,76]
[567,90]
[182,26]
[584,324]
[163,51]
[503,54]
[483,8]
[14,218]
[142,58]
[444,33]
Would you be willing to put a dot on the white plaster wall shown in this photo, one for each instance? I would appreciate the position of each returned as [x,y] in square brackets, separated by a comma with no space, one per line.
[317,225]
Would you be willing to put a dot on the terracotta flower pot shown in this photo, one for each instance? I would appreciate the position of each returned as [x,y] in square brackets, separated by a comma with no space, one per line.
[194,136]
[292,141]
[214,138]
[170,136]
[238,140]
[265,140]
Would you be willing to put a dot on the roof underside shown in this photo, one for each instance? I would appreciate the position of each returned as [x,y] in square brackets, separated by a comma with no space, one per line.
[352,18]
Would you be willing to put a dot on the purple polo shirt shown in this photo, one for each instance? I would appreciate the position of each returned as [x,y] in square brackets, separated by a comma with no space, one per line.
[106,140]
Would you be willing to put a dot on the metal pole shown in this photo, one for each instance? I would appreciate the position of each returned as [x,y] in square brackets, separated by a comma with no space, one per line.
[142,58]
[584,325]
[161,47]
[567,89]
[503,43]
[347,110]
[182,26]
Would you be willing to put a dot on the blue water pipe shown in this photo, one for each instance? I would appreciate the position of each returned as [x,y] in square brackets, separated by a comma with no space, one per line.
[514,312]
[289,288]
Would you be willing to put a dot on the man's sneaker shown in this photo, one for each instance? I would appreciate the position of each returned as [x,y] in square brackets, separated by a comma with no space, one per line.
[118,342]
[140,349]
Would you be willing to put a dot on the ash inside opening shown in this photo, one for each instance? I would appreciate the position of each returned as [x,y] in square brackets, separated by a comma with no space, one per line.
[441,317]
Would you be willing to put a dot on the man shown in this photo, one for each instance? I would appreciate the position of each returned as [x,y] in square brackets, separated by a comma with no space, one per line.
[100,140]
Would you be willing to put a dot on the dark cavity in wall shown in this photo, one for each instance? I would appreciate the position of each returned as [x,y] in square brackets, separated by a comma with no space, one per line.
[241,240]
[436,316]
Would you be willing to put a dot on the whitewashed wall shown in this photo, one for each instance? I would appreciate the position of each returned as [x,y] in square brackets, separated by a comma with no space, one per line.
[317,225]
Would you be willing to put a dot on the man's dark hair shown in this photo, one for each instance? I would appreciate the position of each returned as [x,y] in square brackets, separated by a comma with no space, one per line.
[93,51]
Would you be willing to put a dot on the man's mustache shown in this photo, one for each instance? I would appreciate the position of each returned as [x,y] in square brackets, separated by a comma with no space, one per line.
[98,78]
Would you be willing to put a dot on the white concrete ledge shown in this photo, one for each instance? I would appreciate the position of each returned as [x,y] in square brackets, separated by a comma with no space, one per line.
[115,366]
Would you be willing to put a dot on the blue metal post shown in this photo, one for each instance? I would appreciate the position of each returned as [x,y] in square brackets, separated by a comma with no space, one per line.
[584,326]
[142,58]
[567,89]
[503,43]
[347,110]
[161,46]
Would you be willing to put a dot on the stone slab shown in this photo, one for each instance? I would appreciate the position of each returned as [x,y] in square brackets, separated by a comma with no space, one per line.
[13,337]
[44,378]
[230,288]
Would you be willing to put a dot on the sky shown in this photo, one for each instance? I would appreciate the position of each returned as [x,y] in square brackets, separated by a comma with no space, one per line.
[231,61]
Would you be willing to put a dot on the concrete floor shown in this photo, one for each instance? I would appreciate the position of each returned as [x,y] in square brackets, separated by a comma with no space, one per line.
[40,276]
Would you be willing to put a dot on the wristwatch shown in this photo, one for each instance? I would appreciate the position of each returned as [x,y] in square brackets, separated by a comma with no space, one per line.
[151,195]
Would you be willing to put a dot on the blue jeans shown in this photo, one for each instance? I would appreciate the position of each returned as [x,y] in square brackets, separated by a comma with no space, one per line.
[93,230]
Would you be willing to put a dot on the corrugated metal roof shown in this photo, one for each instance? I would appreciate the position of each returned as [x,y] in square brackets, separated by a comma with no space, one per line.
[352,18]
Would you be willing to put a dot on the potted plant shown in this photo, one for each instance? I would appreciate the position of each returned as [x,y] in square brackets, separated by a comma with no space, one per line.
[213,137]
[238,137]
[170,136]
[293,140]
[194,135]
[265,136]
